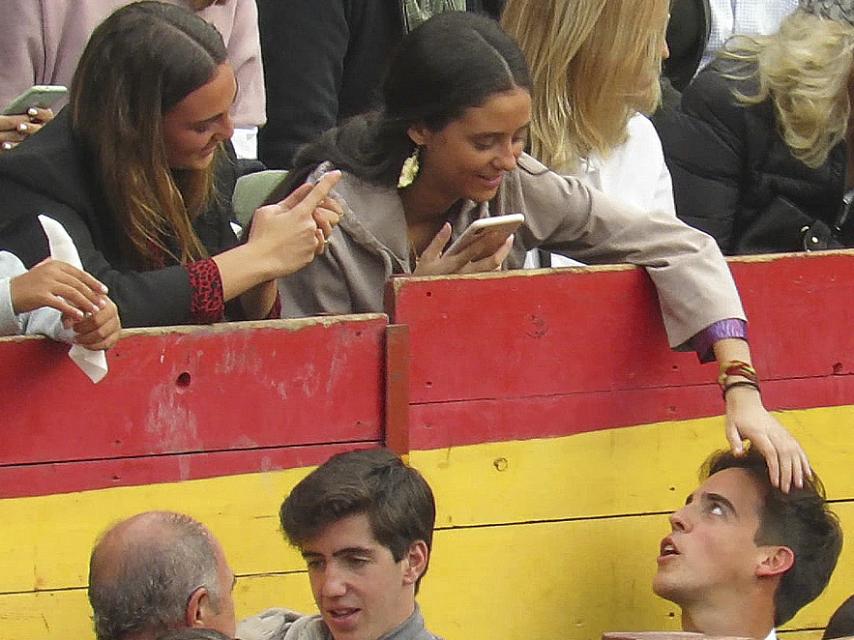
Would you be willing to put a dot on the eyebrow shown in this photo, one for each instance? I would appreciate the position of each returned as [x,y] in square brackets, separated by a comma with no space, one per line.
[714,497]
[486,134]
[347,551]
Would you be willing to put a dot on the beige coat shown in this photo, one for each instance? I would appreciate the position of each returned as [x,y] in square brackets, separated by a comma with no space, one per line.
[694,284]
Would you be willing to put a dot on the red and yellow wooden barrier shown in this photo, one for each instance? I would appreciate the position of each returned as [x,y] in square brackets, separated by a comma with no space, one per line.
[544,408]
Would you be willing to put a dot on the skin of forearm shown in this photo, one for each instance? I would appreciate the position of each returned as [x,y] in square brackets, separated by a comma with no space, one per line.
[244,274]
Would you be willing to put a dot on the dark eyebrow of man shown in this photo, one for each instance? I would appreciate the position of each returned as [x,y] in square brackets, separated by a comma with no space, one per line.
[354,551]
[347,551]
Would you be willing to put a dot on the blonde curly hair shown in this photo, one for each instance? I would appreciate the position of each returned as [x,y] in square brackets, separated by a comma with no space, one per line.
[806,71]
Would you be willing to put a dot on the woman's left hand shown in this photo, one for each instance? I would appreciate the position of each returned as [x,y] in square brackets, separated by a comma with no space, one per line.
[100,330]
[746,417]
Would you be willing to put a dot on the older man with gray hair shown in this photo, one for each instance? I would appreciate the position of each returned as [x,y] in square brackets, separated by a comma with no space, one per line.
[158,571]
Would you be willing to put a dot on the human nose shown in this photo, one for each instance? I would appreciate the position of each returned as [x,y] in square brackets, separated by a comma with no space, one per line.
[680,519]
[334,582]
[665,51]
[507,157]
[226,127]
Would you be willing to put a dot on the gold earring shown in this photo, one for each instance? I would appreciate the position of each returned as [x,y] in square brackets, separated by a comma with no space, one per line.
[410,168]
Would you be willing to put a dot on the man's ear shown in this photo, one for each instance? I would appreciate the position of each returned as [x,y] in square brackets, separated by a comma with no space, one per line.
[419,134]
[415,561]
[198,607]
[774,561]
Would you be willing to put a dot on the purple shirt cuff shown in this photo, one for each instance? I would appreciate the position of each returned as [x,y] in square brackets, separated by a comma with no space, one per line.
[703,342]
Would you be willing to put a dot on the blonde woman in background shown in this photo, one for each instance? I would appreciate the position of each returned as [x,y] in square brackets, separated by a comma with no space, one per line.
[595,67]
[760,148]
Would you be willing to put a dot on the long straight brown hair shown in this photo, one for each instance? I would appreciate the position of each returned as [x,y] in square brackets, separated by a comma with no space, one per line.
[139,63]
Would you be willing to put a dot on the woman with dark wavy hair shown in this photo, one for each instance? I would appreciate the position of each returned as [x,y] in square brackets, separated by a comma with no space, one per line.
[447,148]
[134,169]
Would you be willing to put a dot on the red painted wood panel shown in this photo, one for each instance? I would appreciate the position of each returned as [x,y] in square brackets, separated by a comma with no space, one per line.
[800,310]
[518,335]
[466,422]
[229,387]
[64,477]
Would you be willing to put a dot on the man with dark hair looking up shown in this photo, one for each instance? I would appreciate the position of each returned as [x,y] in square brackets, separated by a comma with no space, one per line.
[363,521]
[743,557]
[159,571]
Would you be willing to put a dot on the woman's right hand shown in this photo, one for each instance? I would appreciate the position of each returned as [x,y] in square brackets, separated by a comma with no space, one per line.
[14,129]
[290,233]
[57,284]
[434,262]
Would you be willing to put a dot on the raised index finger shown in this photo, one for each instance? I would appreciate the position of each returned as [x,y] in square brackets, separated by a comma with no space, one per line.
[311,197]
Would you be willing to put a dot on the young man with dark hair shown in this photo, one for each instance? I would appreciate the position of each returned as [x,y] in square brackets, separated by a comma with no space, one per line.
[743,557]
[363,521]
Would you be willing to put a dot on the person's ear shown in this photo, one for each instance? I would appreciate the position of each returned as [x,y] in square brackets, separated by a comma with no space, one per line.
[198,606]
[415,561]
[774,561]
[419,134]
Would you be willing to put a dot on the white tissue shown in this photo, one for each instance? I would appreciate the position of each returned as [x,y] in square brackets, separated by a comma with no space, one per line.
[93,363]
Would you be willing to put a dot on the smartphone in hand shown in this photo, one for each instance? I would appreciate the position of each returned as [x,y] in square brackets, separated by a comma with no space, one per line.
[491,233]
[43,96]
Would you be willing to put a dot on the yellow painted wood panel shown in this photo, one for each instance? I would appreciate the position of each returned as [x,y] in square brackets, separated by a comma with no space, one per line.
[569,580]
[60,615]
[630,470]
[47,540]
[618,471]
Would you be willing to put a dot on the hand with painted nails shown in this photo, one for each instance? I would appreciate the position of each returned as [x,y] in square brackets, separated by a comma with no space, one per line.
[15,129]
[56,284]
[99,330]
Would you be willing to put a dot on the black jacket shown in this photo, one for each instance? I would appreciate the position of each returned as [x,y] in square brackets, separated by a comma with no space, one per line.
[735,178]
[51,173]
[323,63]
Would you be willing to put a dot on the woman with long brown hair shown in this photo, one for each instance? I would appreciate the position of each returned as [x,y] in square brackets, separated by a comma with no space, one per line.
[133,168]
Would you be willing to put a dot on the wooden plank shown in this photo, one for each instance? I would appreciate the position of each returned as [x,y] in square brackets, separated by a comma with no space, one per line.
[642,469]
[206,389]
[449,424]
[568,580]
[604,473]
[48,539]
[397,364]
[59,615]
[599,329]
[65,477]
[581,578]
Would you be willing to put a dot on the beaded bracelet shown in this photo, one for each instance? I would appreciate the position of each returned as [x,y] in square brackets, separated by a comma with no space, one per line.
[737,368]
[738,383]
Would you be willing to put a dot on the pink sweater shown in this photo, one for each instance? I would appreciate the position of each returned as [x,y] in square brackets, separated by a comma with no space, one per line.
[42,40]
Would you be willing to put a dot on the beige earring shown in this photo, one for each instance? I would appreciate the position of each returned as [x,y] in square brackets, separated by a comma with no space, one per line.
[410,169]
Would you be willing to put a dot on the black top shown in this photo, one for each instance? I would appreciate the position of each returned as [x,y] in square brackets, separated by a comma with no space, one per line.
[735,178]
